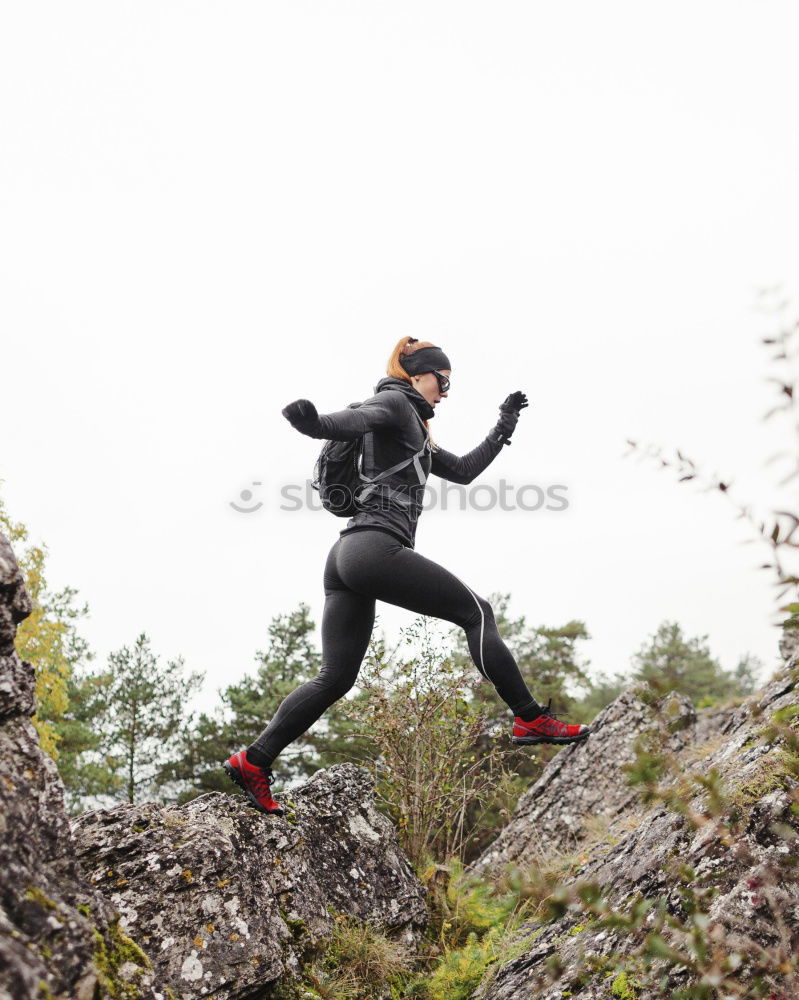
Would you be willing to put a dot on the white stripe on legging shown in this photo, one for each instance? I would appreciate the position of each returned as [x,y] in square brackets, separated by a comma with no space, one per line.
[483,670]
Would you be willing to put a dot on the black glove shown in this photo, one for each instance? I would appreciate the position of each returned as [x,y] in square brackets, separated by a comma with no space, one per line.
[514,403]
[509,412]
[302,415]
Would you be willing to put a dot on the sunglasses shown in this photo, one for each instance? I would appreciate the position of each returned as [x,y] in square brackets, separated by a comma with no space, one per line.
[443,382]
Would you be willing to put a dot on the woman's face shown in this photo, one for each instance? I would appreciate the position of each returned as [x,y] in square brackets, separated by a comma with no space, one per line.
[427,385]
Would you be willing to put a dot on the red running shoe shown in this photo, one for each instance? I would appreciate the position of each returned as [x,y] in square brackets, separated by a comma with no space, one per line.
[254,781]
[547,728]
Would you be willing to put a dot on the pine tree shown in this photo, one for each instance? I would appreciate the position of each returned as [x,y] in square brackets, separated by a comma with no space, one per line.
[87,771]
[140,710]
[748,673]
[670,661]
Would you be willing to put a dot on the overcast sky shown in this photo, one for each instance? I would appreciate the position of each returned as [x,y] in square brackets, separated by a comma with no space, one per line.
[209,210]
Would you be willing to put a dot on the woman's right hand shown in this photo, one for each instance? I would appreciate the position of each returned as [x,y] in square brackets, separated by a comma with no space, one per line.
[302,415]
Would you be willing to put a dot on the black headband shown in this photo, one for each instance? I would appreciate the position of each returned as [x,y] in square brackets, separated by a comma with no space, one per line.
[426,359]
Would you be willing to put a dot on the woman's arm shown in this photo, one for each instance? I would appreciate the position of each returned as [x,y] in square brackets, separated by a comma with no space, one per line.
[380,411]
[464,468]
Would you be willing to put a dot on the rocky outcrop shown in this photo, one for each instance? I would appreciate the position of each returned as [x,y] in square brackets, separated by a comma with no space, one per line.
[582,804]
[58,936]
[210,898]
[586,782]
[227,900]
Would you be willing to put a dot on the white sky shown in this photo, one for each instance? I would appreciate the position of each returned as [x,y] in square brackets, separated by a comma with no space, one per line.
[209,210]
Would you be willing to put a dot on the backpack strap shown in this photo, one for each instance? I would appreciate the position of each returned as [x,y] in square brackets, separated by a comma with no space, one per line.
[373,482]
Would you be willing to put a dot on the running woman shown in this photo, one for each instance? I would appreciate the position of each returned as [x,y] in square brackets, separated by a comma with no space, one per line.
[374,559]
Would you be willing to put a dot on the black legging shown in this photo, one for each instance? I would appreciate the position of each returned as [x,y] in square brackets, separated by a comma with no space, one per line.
[367,566]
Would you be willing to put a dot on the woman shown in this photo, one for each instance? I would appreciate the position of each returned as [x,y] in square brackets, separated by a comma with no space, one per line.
[374,558]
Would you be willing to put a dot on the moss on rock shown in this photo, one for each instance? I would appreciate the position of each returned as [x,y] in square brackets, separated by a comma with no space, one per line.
[111,952]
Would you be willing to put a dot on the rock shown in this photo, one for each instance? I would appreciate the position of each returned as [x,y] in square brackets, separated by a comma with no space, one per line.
[585,782]
[15,602]
[227,900]
[16,677]
[54,930]
[211,897]
[636,850]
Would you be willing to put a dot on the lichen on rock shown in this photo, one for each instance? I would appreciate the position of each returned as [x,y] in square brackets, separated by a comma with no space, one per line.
[241,898]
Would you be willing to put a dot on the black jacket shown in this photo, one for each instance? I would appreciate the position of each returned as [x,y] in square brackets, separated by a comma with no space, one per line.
[391,424]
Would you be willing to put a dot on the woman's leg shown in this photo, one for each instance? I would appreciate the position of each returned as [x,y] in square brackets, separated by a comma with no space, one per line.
[347,623]
[377,566]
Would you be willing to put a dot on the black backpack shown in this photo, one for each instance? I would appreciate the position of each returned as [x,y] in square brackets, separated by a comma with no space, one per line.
[341,484]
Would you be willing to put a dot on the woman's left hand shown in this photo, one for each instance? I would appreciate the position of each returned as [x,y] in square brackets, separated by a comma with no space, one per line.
[514,403]
[509,414]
